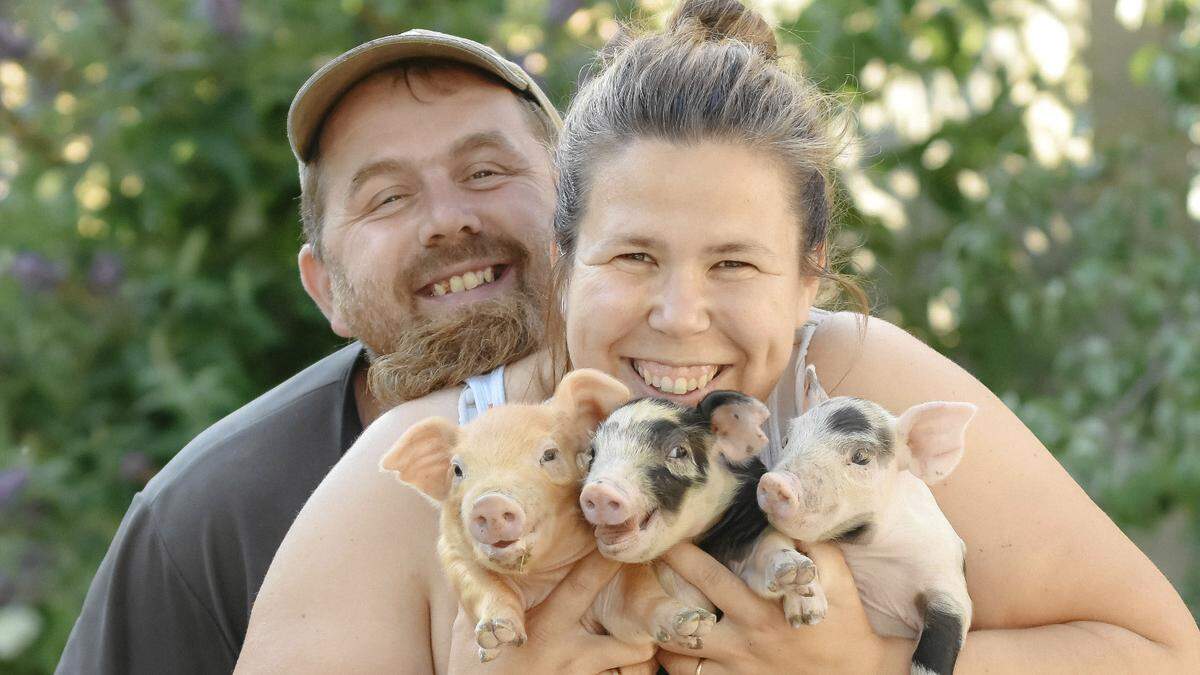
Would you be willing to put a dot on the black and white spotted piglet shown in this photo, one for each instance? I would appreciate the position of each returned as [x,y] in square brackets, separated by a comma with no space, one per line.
[663,473]
[853,473]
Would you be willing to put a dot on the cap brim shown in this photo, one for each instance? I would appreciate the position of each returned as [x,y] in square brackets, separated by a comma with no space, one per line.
[319,94]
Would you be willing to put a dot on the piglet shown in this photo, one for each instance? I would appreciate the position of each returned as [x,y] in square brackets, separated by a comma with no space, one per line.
[507,484]
[853,473]
[661,473]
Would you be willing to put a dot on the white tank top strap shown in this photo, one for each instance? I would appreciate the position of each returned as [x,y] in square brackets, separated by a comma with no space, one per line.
[480,393]
[784,402]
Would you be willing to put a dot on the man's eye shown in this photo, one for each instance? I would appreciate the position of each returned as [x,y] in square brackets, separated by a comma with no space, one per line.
[391,198]
[732,264]
[482,173]
[636,257]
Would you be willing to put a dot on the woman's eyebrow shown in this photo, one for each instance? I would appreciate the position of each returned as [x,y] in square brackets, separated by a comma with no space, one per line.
[739,247]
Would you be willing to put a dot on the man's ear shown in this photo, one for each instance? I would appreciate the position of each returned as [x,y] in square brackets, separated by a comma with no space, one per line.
[814,393]
[315,279]
[589,396]
[934,433]
[421,457]
[737,421]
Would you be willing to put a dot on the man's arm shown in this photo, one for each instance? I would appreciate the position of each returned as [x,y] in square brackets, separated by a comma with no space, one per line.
[140,615]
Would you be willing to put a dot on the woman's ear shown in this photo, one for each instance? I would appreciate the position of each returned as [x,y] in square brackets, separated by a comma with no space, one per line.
[315,279]
[810,286]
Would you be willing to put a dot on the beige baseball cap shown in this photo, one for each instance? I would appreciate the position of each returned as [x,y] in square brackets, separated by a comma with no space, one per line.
[323,90]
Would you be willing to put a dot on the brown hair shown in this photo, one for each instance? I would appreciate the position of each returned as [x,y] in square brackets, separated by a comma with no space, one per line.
[312,202]
[711,74]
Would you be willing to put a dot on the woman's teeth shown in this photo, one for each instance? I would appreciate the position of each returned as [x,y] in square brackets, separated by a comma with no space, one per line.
[673,379]
[465,281]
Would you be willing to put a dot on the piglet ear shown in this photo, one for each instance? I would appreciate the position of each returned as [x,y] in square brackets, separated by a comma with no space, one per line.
[421,457]
[934,434]
[814,393]
[736,420]
[589,396]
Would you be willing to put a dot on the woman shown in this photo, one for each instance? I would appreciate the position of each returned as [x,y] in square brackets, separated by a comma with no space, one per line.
[692,226]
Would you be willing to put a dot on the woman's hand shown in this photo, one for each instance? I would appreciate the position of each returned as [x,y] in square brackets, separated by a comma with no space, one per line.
[754,637]
[558,642]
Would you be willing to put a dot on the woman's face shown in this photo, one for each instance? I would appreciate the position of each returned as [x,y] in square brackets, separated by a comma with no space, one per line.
[687,273]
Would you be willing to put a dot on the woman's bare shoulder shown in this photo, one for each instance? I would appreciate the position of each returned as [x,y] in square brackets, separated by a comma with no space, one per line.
[357,567]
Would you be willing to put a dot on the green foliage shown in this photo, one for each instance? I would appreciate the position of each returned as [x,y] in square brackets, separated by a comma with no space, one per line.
[149,228]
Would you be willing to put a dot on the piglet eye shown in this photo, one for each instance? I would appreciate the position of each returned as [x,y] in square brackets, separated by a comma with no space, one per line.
[677,452]
[550,455]
[861,458]
[458,470]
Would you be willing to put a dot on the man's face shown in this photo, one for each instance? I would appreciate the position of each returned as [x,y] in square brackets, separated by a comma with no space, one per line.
[438,203]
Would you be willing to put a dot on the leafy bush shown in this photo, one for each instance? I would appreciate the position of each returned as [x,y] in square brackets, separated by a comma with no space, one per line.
[147,195]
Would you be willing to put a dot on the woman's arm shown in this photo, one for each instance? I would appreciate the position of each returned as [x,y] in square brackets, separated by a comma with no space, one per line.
[351,586]
[1055,584]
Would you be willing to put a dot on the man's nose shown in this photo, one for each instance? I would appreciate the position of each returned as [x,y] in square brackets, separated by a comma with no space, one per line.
[449,216]
[681,308]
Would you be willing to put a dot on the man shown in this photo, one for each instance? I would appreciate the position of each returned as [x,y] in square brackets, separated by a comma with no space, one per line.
[426,197]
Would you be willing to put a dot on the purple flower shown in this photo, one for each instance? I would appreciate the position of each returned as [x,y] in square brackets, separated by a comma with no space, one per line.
[136,468]
[12,481]
[558,11]
[106,273]
[225,15]
[36,273]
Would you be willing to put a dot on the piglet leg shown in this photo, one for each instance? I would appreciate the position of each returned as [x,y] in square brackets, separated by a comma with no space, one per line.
[486,597]
[635,608]
[775,569]
[945,624]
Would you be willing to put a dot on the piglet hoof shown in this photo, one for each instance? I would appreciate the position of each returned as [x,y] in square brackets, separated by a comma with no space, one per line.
[691,625]
[790,570]
[805,606]
[491,634]
[486,655]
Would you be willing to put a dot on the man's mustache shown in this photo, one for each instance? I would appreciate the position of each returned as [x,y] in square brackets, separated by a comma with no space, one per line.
[430,263]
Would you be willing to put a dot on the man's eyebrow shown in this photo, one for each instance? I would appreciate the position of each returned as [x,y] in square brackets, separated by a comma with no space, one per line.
[376,168]
[483,139]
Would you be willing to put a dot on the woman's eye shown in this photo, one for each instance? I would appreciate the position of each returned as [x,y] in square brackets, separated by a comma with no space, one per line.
[636,257]
[861,458]
[482,173]
[677,452]
[550,455]
[732,264]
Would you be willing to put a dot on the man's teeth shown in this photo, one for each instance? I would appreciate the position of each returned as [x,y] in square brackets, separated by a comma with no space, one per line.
[696,377]
[465,281]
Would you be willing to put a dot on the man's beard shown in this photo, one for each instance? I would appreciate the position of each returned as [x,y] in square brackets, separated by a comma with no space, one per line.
[413,354]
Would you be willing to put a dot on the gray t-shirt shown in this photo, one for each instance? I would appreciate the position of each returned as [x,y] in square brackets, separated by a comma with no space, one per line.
[173,594]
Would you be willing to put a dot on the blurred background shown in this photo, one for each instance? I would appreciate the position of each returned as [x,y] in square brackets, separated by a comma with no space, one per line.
[1024,195]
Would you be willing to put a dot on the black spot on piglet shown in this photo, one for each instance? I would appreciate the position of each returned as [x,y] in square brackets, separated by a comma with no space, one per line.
[848,420]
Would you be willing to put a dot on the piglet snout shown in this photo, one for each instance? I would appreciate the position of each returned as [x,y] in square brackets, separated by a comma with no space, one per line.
[777,495]
[496,519]
[605,504]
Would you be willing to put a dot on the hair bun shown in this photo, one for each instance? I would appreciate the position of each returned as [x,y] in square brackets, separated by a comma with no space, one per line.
[724,19]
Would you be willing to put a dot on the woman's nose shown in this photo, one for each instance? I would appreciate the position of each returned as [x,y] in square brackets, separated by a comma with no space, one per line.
[449,215]
[681,308]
